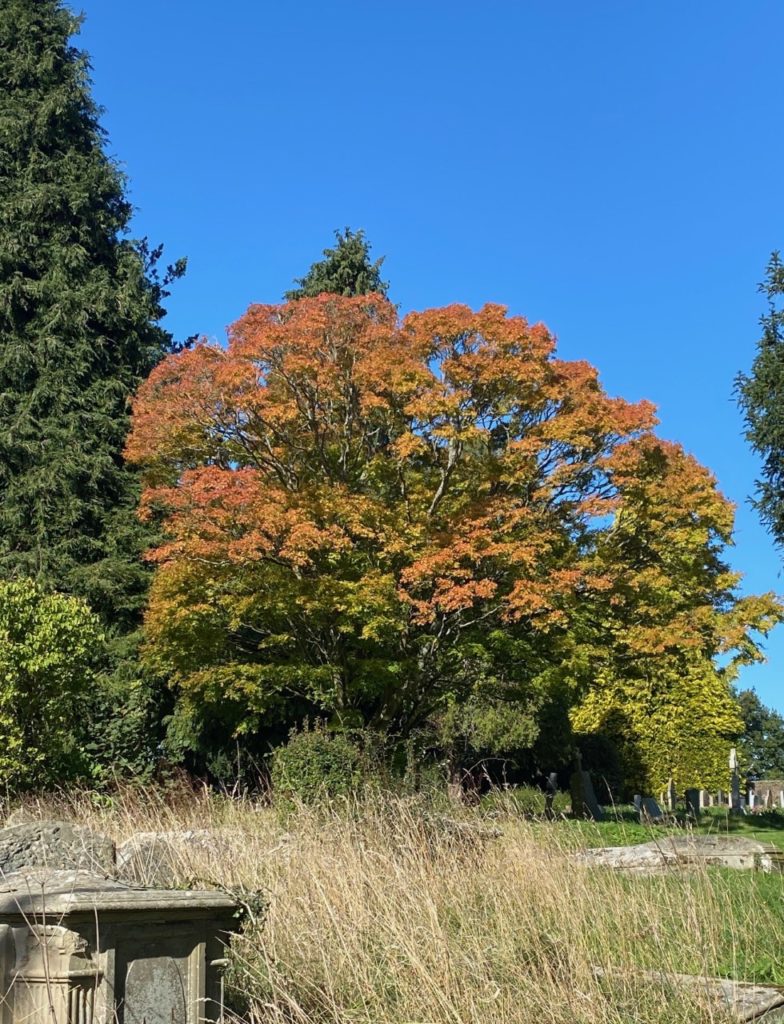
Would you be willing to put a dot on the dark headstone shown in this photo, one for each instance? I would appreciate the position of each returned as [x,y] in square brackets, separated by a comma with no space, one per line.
[736,803]
[584,802]
[650,810]
[693,802]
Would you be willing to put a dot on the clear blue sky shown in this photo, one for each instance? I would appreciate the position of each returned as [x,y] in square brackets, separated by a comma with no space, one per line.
[610,167]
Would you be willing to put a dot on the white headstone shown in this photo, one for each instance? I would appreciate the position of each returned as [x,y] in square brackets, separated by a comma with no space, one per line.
[671,798]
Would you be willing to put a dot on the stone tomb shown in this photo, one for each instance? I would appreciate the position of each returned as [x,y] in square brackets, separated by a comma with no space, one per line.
[77,948]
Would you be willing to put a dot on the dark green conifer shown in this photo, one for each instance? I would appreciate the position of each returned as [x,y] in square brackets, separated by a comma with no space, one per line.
[345,270]
[80,305]
[761,399]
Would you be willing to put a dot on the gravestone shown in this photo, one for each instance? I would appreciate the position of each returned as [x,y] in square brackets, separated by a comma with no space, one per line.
[739,1002]
[584,802]
[551,788]
[721,798]
[671,796]
[705,798]
[78,948]
[768,801]
[650,810]
[735,797]
[693,803]
[773,786]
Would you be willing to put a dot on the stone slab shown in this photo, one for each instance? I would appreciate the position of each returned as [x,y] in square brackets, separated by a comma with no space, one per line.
[164,858]
[739,852]
[650,810]
[584,802]
[745,1002]
[54,844]
[38,891]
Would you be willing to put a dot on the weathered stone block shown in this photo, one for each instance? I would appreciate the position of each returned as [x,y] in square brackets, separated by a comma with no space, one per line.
[58,845]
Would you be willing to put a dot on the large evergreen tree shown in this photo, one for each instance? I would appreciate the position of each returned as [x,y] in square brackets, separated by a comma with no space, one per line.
[345,270]
[761,398]
[762,742]
[80,305]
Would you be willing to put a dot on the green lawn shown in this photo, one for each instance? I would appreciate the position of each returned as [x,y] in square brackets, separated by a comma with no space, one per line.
[753,950]
[742,945]
[623,828]
[622,825]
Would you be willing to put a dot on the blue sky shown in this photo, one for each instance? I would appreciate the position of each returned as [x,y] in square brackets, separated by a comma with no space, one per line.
[611,168]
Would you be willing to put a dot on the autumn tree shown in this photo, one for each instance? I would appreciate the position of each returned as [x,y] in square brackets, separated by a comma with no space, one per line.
[80,306]
[761,399]
[345,270]
[667,636]
[385,523]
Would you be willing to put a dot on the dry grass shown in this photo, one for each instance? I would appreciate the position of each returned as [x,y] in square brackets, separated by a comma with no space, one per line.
[386,912]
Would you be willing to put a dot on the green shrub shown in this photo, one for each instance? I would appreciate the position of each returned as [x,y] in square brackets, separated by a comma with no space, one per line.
[523,800]
[316,764]
[50,648]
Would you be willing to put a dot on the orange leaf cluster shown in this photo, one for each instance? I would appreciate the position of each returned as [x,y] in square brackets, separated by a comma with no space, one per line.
[451,450]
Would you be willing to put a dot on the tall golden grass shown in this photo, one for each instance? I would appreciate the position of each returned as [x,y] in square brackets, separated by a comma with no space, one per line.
[388,911]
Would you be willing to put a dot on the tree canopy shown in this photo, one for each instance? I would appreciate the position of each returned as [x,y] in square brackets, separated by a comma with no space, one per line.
[382,520]
[79,310]
[673,631]
[762,738]
[761,399]
[345,270]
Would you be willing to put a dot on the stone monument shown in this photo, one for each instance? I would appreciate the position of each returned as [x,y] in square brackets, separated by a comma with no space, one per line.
[584,802]
[550,791]
[650,811]
[671,797]
[735,803]
[693,803]
[78,948]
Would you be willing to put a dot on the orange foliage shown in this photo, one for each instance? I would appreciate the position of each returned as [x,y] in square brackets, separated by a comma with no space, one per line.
[454,445]
[353,479]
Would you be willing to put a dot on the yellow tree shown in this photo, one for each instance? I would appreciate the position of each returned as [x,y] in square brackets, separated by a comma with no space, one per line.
[669,633]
